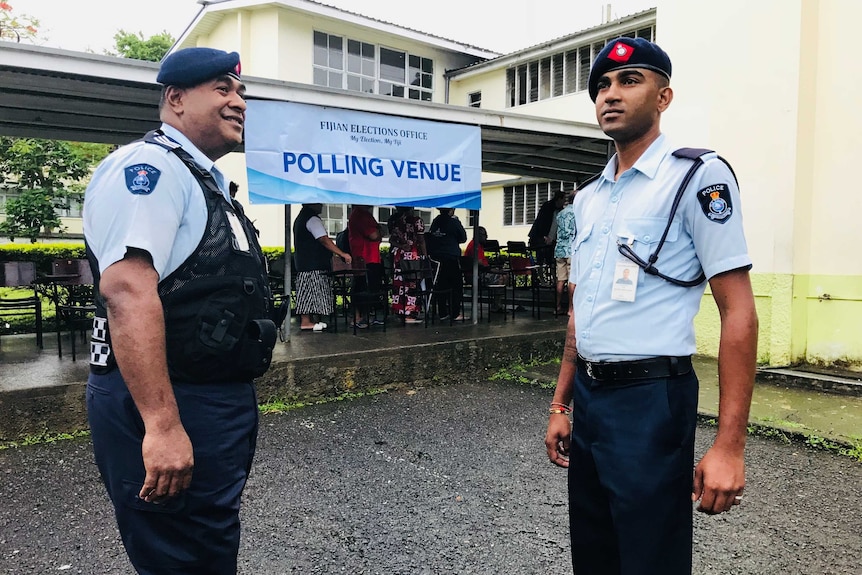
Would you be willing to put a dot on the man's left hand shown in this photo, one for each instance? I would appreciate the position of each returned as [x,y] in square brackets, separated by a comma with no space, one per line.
[719,480]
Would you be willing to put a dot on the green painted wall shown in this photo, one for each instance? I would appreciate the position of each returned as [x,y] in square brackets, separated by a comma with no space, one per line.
[804,318]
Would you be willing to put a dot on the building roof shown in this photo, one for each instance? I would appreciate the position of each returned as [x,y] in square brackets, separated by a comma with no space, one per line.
[580,38]
[67,95]
[214,10]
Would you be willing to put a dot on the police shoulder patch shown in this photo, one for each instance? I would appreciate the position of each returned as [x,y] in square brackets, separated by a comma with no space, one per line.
[715,202]
[141,179]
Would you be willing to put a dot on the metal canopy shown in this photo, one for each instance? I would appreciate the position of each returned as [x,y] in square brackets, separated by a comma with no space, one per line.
[66,95]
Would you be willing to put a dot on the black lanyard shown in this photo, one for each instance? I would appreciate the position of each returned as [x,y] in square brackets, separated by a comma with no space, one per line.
[696,155]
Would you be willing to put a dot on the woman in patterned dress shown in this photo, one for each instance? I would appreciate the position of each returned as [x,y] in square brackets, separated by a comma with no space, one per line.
[313,257]
[407,240]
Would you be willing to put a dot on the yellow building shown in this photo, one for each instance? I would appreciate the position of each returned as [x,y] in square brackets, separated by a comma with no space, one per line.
[768,84]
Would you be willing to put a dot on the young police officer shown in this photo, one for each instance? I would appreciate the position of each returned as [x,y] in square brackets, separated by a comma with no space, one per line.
[627,360]
[181,328]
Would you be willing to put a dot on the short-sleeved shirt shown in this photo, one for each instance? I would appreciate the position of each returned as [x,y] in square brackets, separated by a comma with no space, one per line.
[565,232]
[361,225]
[706,234]
[143,196]
[315,227]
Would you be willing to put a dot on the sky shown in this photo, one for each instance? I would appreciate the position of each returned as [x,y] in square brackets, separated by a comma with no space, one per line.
[90,25]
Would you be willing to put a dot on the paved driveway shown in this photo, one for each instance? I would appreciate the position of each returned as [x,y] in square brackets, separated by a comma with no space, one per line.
[437,480]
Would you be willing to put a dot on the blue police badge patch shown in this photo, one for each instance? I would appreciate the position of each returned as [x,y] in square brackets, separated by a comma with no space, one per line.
[715,202]
[141,179]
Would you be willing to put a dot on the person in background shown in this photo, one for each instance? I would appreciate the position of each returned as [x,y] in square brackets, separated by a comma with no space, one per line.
[444,245]
[313,258]
[475,249]
[564,233]
[407,239]
[364,235]
[539,235]
[181,327]
[626,375]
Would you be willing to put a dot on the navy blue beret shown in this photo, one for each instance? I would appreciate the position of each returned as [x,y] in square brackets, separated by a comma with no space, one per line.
[192,66]
[628,53]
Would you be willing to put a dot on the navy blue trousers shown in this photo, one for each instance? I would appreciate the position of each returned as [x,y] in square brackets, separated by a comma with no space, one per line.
[197,532]
[630,475]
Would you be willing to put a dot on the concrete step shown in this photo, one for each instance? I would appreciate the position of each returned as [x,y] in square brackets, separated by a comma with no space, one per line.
[806,378]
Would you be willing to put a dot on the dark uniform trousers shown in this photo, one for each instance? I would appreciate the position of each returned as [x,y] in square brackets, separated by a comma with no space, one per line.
[197,532]
[631,474]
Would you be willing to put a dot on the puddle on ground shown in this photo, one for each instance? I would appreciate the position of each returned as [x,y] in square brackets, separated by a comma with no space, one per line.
[794,409]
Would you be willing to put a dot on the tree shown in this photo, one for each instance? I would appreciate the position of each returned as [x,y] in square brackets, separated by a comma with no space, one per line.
[16,28]
[45,175]
[135,46]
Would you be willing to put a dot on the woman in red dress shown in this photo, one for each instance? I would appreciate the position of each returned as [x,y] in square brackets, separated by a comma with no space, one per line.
[407,241]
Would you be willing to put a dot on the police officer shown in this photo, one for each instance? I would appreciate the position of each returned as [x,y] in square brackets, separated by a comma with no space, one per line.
[181,327]
[626,370]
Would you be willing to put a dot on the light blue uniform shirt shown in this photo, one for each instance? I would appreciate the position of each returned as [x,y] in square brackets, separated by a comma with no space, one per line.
[164,213]
[703,236]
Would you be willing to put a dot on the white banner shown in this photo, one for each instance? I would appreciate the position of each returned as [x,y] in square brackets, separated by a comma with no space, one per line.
[299,153]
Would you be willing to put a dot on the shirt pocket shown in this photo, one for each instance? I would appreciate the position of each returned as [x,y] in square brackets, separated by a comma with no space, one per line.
[580,255]
[644,234]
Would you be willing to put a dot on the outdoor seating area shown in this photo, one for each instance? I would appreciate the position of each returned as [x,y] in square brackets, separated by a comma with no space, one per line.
[21,275]
[511,285]
[34,299]
[65,292]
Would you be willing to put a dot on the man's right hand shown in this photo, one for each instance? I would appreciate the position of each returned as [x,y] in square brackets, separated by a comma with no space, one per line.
[557,439]
[168,461]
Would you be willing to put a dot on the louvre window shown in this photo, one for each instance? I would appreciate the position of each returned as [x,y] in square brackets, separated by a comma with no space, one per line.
[521,203]
[562,73]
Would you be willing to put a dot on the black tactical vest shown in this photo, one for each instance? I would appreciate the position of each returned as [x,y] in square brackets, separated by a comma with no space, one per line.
[216,303]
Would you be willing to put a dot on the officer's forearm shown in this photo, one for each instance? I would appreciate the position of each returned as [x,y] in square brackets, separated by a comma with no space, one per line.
[568,366]
[737,357]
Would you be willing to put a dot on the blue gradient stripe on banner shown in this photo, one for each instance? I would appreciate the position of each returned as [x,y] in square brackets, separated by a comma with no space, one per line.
[266,189]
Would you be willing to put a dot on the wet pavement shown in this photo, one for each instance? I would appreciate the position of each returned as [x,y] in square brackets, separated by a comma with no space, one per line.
[429,480]
[794,401]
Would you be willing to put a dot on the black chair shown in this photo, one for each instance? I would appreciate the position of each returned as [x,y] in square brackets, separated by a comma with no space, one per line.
[492,253]
[374,303]
[280,299]
[524,277]
[424,271]
[488,286]
[543,277]
[342,275]
[21,274]
[518,249]
[72,286]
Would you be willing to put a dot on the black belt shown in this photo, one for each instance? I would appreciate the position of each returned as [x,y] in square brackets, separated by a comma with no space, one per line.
[653,367]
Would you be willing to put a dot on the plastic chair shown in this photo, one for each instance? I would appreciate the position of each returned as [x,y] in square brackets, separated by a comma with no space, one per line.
[21,274]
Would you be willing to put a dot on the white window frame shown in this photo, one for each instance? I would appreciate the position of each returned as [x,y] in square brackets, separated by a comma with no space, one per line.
[521,202]
[341,74]
[543,79]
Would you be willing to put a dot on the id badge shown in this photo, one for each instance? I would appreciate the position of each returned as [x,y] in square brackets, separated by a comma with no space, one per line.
[625,284]
[240,241]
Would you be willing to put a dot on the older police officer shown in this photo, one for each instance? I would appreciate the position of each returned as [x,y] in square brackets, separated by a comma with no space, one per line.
[182,325]
[627,361]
